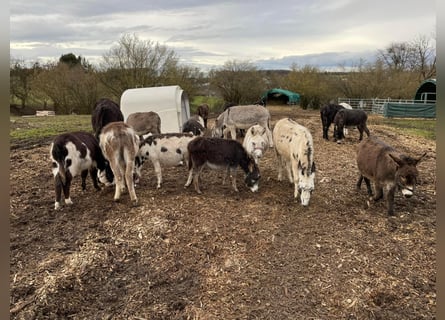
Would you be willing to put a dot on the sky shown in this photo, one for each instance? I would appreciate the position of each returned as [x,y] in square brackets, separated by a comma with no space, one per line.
[206,34]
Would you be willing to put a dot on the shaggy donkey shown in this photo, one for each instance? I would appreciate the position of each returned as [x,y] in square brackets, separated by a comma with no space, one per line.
[255,142]
[387,168]
[294,148]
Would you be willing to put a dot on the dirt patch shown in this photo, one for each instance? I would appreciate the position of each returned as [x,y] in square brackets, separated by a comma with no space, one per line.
[225,255]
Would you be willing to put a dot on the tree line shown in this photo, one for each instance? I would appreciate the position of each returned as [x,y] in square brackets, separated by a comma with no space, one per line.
[73,85]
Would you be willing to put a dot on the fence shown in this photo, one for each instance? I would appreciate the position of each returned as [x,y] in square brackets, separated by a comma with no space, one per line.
[377,106]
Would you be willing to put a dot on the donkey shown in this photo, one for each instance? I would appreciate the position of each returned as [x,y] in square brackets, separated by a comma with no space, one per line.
[104,112]
[144,123]
[72,154]
[203,112]
[120,145]
[327,114]
[294,148]
[350,117]
[242,117]
[388,169]
[255,142]
[218,153]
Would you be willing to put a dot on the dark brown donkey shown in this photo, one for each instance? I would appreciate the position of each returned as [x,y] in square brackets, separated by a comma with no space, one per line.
[350,117]
[387,168]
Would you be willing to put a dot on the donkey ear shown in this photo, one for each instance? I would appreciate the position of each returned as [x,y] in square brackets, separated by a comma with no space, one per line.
[420,158]
[252,130]
[313,167]
[396,159]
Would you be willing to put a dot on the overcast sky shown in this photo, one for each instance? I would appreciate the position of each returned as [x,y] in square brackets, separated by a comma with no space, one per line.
[271,34]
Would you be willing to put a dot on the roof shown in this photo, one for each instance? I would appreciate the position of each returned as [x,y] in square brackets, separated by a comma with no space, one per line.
[293,96]
[426,90]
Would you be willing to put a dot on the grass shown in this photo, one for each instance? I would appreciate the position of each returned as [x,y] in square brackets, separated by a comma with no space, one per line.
[33,127]
[425,128]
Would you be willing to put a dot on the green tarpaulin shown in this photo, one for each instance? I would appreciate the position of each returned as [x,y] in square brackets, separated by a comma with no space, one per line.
[409,110]
[293,97]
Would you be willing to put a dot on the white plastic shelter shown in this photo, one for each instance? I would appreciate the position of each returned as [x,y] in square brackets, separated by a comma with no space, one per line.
[170,102]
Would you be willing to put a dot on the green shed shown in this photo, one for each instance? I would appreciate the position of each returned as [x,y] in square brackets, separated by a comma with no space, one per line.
[426,92]
[281,94]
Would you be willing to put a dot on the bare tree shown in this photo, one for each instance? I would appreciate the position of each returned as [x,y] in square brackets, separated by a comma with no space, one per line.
[376,80]
[363,80]
[190,79]
[238,82]
[312,85]
[20,78]
[51,85]
[416,56]
[135,63]
[423,57]
[70,88]
[397,56]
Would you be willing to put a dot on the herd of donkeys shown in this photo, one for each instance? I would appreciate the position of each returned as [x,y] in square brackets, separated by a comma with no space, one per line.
[115,152]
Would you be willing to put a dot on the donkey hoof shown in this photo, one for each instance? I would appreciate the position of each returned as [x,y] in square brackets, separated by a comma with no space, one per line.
[135,203]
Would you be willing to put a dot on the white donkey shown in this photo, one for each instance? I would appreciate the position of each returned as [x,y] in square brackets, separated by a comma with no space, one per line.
[255,142]
[295,151]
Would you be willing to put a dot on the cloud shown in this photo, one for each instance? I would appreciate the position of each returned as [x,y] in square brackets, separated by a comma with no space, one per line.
[327,61]
[212,32]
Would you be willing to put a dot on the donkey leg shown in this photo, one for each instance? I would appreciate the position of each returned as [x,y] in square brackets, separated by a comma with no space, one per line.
[129,169]
[390,200]
[359,182]
[58,190]
[233,178]
[84,175]
[189,179]
[378,192]
[66,188]
[368,186]
[93,175]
